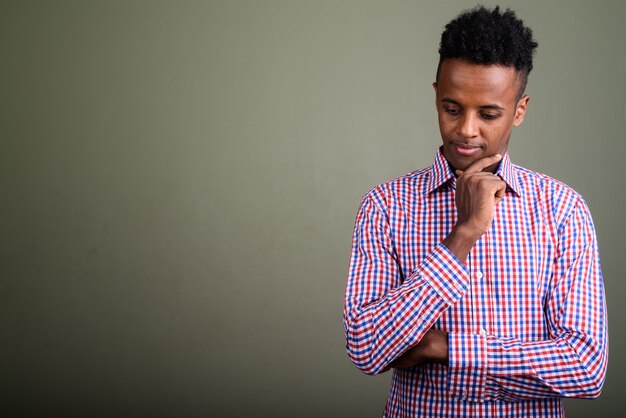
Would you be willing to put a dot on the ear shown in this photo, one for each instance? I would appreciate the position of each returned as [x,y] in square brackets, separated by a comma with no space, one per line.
[520,110]
[436,92]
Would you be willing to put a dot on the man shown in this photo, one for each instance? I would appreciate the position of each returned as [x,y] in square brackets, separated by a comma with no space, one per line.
[475,280]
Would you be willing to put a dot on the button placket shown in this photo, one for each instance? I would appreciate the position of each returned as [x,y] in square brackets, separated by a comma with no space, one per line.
[479,286]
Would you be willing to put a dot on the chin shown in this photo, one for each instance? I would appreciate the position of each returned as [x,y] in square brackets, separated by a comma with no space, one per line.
[460,162]
[458,165]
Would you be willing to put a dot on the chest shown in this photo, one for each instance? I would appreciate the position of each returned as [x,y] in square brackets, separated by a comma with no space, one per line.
[511,265]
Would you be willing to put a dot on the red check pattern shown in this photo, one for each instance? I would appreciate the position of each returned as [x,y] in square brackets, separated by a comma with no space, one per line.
[525,313]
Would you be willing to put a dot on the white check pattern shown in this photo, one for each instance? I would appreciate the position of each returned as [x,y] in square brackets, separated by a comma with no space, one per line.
[525,313]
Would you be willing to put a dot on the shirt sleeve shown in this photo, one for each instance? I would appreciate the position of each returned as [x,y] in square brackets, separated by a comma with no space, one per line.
[385,313]
[572,363]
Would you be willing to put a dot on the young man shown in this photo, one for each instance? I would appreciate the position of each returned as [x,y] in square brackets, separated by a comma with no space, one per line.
[475,280]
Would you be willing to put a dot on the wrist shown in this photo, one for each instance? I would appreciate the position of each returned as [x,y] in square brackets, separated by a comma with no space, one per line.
[466,232]
[437,347]
[461,240]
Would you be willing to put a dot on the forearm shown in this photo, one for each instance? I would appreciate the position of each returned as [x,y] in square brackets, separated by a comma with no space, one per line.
[386,316]
[379,331]
[572,365]
[423,308]
[486,367]
[432,348]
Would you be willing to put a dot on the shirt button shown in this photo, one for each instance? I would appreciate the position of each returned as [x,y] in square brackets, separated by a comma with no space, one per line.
[483,332]
[479,275]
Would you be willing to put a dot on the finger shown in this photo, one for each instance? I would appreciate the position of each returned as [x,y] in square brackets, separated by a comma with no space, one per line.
[460,172]
[484,175]
[483,163]
[398,363]
[501,190]
[491,181]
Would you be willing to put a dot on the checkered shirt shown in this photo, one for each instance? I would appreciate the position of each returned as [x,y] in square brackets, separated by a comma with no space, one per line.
[525,314]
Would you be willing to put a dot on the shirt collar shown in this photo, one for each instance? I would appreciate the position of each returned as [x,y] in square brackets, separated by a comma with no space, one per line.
[441,173]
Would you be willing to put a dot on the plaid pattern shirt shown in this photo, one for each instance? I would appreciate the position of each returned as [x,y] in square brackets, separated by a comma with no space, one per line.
[525,313]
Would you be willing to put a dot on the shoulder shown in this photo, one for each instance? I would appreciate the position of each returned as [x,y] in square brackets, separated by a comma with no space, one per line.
[557,197]
[394,192]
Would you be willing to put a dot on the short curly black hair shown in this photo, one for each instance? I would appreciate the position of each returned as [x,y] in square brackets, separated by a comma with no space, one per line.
[484,36]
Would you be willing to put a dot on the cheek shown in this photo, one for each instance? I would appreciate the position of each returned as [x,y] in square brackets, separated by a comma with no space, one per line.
[493,137]
[443,128]
[497,132]
[446,126]
[498,136]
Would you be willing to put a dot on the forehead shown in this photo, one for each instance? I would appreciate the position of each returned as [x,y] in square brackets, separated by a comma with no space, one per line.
[460,79]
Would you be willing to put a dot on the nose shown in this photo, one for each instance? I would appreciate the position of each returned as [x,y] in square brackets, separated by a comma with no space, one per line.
[468,125]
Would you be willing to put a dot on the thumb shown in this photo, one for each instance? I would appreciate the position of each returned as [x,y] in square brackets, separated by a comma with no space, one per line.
[499,194]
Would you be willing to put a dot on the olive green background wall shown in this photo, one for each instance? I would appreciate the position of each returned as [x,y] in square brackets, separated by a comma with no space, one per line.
[180,180]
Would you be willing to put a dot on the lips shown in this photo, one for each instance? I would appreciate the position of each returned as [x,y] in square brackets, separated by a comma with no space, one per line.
[465,149]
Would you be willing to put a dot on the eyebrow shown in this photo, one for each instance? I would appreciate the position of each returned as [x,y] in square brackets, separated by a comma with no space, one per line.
[493,106]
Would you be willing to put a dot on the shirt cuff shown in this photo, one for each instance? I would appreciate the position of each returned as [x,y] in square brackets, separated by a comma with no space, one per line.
[467,366]
[445,273]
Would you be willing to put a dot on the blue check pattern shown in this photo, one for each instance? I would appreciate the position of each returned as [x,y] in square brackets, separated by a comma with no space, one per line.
[525,314]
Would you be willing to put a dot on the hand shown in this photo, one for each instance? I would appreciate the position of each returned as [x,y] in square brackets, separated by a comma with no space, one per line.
[432,348]
[477,194]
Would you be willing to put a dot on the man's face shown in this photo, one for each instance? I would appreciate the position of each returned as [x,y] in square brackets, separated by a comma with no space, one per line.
[478,107]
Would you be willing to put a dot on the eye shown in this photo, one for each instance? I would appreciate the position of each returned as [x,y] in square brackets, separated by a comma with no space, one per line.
[451,111]
[490,116]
